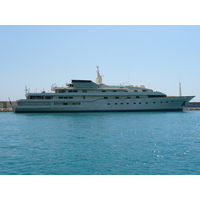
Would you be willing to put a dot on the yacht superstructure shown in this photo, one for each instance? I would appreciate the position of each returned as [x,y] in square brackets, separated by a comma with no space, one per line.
[85,95]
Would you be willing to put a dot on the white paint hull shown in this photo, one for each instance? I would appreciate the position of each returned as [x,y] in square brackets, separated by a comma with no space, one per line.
[103,105]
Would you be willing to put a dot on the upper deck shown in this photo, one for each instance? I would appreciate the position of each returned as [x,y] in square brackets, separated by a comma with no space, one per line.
[89,88]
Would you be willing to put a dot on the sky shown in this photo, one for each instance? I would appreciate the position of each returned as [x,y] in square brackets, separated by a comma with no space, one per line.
[156,56]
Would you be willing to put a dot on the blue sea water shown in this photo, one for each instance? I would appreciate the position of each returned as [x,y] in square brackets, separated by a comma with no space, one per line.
[106,143]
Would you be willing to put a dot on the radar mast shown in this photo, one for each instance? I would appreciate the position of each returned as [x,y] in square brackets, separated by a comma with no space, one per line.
[99,77]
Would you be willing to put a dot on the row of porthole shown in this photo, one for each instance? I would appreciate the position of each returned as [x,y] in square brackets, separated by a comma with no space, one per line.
[65,97]
[122,97]
[139,103]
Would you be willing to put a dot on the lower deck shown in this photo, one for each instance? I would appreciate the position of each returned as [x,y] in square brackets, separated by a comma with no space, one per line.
[148,104]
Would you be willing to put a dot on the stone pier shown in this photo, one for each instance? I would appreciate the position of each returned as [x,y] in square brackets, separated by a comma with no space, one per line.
[5,106]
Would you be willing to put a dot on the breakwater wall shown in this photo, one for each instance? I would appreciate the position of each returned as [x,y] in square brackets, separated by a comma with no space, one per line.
[193,104]
[6,104]
[6,109]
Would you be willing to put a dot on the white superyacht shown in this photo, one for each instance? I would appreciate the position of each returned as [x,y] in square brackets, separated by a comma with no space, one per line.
[85,95]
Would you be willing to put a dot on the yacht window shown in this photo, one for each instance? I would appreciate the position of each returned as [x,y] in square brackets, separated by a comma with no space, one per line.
[60,97]
[65,103]
[139,102]
[103,90]
[152,96]
[114,91]
[146,102]
[39,97]
[70,97]
[154,102]
[74,90]
[121,103]
[135,90]
[128,97]
[172,101]
[116,97]
[105,97]
[83,97]
[127,103]
[69,90]
[84,91]
[161,102]
[75,103]
[115,103]
[108,103]
[166,101]
[48,97]
[134,103]
[137,97]
[61,91]
[144,90]
[65,97]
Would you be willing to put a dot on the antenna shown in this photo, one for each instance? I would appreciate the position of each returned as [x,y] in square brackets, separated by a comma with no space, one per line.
[26,90]
[180,93]
[99,77]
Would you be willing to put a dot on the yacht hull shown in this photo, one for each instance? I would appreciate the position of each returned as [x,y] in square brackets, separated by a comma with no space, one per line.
[108,105]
